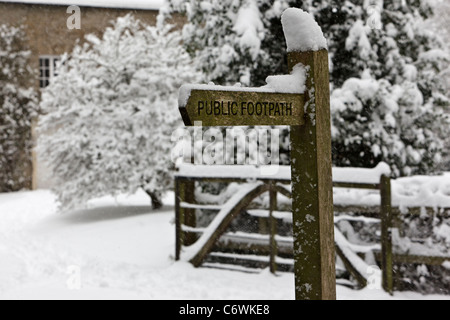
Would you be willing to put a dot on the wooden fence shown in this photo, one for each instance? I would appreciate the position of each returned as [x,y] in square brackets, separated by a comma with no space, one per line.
[195,244]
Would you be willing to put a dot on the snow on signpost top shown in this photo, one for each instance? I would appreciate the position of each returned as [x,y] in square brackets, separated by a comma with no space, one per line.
[290,83]
[301,31]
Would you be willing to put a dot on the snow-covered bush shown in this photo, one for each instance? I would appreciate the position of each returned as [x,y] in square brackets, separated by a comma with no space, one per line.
[225,35]
[111,112]
[18,107]
[392,109]
[381,46]
[439,24]
[375,121]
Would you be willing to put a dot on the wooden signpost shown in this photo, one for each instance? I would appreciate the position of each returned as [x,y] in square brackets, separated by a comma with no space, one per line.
[308,116]
[243,108]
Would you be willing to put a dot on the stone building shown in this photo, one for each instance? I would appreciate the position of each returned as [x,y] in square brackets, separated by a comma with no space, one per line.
[52,30]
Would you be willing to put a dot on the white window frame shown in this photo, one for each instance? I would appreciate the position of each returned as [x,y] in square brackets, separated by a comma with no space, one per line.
[47,71]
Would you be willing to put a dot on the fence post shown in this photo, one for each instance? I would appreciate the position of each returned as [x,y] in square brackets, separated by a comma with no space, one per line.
[386,236]
[178,219]
[273,229]
[190,219]
[184,192]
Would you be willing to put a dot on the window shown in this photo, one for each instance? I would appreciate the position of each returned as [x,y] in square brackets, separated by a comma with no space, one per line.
[47,69]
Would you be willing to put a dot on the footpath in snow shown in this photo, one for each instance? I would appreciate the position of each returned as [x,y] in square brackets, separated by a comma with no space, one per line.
[118,249]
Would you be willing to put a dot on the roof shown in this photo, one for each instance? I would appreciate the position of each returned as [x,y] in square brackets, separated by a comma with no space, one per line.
[121,4]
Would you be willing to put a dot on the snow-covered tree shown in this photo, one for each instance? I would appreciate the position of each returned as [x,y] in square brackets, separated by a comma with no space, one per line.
[225,35]
[381,46]
[18,107]
[392,105]
[439,24]
[111,112]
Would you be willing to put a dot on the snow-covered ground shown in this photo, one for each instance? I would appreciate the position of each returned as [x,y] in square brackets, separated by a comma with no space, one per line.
[118,249]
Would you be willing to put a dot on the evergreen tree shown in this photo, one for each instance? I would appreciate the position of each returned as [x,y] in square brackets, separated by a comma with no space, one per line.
[387,95]
[391,108]
[111,112]
[18,107]
[439,24]
[225,36]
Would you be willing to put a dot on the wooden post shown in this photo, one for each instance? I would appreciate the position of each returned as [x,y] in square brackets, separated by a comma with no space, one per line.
[273,230]
[184,192]
[190,219]
[178,230]
[263,223]
[386,236]
[309,117]
[312,187]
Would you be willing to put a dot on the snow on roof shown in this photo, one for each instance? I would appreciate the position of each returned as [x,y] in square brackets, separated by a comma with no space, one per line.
[130,4]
